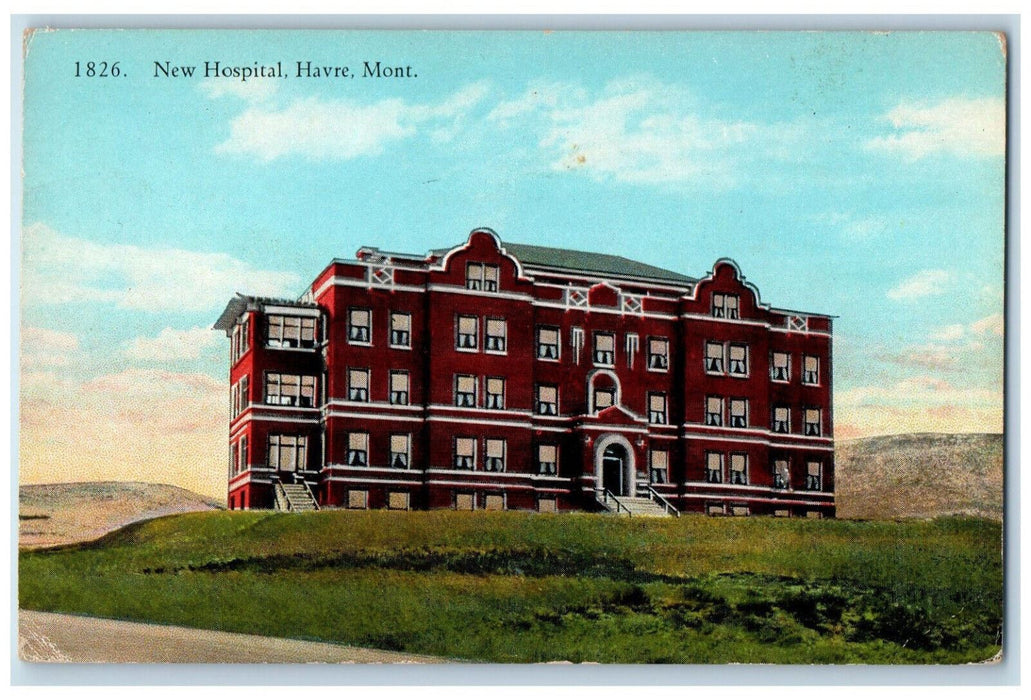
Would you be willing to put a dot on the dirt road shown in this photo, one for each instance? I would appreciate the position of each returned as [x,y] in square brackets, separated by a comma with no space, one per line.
[50,637]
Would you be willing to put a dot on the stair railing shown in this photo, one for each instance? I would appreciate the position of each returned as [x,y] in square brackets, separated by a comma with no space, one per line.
[311,495]
[606,495]
[661,500]
[282,501]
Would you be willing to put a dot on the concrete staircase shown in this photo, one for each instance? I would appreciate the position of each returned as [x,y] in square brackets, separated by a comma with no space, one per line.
[641,506]
[295,498]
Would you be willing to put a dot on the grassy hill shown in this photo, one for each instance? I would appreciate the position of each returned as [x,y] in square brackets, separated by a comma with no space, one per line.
[525,587]
[920,475]
[52,514]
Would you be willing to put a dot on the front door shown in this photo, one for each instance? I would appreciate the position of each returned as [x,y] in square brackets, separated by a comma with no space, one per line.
[613,468]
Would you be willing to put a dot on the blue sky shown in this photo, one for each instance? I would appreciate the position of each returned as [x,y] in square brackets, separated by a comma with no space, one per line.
[854,174]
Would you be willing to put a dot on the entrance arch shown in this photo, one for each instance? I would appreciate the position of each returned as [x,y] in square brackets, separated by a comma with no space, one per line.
[614,467]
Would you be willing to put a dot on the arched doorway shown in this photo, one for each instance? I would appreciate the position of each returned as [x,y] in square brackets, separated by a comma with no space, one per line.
[614,465]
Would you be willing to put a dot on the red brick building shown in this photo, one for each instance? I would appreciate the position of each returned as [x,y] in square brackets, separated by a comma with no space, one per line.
[505,376]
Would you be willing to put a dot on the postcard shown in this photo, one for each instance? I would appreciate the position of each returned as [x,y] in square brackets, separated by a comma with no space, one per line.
[440,347]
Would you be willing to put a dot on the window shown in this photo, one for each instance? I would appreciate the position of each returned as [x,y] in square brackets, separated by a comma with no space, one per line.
[358,449]
[481,276]
[468,333]
[547,459]
[738,469]
[494,501]
[813,476]
[495,392]
[547,343]
[659,466]
[400,330]
[658,353]
[714,410]
[287,452]
[290,331]
[738,363]
[399,388]
[289,390]
[812,421]
[398,500]
[738,413]
[241,341]
[465,453]
[495,459]
[495,339]
[240,399]
[400,456]
[780,367]
[547,400]
[781,419]
[358,384]
[781,474]
[604,348]
[603,398]
[359,326]
[811,370]
[465,390]
[714,357]
[656,408]
[725,305]
[240,457]
[714,467]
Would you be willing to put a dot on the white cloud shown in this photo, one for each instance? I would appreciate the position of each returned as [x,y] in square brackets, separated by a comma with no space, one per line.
[343,129]
[639,130]
[954,331]
[41,347]
[917,404]
[990,325]
[922,284]
[59,269]
[961,126]
[171,344]
[143,425]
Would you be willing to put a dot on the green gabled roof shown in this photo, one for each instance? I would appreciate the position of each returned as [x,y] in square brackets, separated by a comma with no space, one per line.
[580,261]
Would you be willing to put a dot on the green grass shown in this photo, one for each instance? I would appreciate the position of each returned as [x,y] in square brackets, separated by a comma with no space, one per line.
[520,587]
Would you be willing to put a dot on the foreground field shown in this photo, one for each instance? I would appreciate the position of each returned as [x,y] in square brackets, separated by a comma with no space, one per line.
[515,587]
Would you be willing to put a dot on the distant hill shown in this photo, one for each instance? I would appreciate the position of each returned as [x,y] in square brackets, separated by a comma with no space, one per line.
[920,475]
[52,514]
